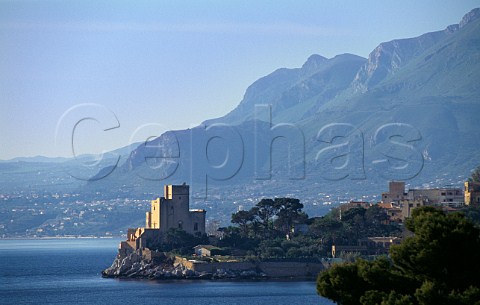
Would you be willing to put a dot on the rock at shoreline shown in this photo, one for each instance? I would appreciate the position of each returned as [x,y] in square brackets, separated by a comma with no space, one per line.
[134,265]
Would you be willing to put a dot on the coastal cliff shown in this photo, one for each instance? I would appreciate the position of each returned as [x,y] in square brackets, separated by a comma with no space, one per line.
[146,264]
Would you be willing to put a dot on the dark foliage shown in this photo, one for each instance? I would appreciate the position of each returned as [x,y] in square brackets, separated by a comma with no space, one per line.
[268,229]
[438,265]
[475,177]
[181,242]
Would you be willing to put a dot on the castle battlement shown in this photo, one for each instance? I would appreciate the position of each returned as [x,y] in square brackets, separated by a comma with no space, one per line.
[172,211]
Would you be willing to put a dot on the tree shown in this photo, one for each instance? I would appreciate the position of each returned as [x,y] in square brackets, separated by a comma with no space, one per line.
[242,218]
[326,228]
[180,241]
[437,265]
[472,212]
[289,213]
[475,177]
[375,215]
[443,249]
[232,236]
[266,210]
[255,223]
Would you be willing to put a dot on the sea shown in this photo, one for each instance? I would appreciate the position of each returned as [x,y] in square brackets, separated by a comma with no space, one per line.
[67,271]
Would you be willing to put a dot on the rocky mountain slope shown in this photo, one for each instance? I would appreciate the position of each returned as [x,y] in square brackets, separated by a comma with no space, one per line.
[427,86]
[341,128]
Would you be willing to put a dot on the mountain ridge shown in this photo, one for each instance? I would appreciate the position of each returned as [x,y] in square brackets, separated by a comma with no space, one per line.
[320,139]
[402,74]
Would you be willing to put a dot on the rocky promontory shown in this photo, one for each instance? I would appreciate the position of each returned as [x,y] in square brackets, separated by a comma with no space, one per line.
[164,266]
[146,264]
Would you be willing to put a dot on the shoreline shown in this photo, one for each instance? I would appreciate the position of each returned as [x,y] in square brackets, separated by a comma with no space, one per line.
[61,237]
[196,279]
[153,265]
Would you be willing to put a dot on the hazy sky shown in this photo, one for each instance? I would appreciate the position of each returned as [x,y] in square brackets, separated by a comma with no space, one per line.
[174,63]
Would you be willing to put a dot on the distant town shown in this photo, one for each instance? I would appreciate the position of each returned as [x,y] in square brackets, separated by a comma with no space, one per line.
[37,213]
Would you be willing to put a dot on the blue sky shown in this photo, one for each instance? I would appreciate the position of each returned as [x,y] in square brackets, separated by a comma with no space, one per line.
[173,64]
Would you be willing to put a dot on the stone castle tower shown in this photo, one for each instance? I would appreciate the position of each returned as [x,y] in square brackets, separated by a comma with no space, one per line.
[173,211]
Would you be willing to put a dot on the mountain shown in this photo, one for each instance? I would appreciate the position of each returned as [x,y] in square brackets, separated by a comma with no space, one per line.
[389,57]
[41,159]
[427,85]
[305,88]
[332,130]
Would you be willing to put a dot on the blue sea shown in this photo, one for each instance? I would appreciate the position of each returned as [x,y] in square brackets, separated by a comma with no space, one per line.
[67,271]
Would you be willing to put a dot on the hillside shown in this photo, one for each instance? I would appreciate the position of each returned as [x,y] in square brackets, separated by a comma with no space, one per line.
[343,127]
[428,83]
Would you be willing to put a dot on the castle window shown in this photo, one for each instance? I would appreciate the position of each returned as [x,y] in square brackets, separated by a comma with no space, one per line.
[180,224]
[195,226]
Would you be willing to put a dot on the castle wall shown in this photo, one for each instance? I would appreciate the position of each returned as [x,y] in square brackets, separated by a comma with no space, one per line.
[126,247]
[197,222]
[290,269]
[272,269]
[153,217]
[170,211]
[174,208]
[149,239]
[175,213]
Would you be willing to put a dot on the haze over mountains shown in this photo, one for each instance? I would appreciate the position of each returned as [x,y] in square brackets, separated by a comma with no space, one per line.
[429,83]
[343,127]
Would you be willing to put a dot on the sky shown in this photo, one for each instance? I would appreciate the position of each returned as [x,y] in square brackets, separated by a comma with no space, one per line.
[134,69]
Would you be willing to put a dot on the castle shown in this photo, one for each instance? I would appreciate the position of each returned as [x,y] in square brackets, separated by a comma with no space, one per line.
[172,211]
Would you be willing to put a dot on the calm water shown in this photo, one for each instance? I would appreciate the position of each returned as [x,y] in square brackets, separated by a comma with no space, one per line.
[66,271]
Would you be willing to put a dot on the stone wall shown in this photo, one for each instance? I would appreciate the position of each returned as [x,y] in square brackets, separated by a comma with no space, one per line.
[271,269]
[152,256]
[290,269]
[126,247]
[213,267]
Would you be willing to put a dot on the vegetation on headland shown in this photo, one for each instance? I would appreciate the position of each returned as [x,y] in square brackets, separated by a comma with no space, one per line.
[279,229]
[437,265]
[177,241]
[428,266]
[275,230]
